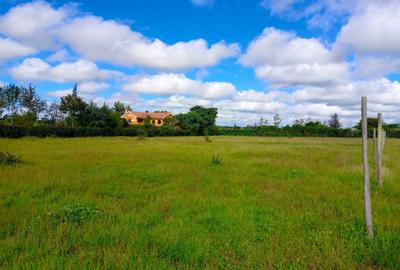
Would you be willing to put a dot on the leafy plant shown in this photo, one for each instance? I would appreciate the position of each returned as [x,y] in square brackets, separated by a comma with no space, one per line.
[207,138]
[75,213]
[216,160]
[8,159]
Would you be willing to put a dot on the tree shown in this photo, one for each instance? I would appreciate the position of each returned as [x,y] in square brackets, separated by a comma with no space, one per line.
[208,115]
[334,121]
[12,94]
[262,122]
[74,106]
[299,122]
[277,120]
[30,100]
[371,123]
[169,121]
[53,113]
[310,123]
[75,90]
[120,107]
[3,100]
[191,121]
[198,120]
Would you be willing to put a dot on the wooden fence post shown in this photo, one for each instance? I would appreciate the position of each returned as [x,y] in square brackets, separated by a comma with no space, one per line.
[383,140]
[375,147]
[367,194]
[379,155]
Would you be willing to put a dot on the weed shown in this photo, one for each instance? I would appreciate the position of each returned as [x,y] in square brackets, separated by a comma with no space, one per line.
[8,159]
[74,213]
[216,160]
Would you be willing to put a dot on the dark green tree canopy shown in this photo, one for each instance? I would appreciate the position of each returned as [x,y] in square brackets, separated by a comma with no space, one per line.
[371,123]
[120,107]
[199,119]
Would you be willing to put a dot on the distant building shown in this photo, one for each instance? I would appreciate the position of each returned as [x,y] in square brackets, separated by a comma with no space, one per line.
[139,118]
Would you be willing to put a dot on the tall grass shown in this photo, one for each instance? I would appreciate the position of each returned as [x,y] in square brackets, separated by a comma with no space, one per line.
[158,204]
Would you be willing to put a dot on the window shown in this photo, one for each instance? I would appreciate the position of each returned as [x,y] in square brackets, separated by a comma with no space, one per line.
[140,120]
[159,122]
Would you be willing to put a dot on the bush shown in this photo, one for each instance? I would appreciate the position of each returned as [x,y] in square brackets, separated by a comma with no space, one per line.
[74,213]
[207,138]
[8,159]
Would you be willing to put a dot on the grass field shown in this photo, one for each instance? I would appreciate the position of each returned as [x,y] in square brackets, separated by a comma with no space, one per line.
[160,203]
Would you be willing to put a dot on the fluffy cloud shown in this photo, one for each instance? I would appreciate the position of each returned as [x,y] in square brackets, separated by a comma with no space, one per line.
[11,49]
[35,69]
[39,25]
[372,38]
[178,84]
[107,40]
[283,59]
[373,29]
[33,23]
[380,91]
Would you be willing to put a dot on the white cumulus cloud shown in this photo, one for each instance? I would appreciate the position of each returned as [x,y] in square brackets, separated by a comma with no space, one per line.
[107,40]
[10,49]
[373,29]
[33,23]
[39,25]
[35,69]
[281,58]
[178,84]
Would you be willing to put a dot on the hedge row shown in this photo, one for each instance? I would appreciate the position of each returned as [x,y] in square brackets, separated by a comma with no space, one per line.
[301,132]
[298,131]
[67,132]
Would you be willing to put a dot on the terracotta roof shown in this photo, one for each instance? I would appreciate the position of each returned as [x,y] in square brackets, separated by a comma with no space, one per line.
[152,115]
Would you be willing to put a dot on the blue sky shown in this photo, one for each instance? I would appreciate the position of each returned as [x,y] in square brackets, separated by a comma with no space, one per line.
[250,59]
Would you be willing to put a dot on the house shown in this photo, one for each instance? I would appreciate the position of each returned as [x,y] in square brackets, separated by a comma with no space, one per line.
[139,118]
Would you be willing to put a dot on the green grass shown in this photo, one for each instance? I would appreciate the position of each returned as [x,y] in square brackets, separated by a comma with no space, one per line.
[161,203]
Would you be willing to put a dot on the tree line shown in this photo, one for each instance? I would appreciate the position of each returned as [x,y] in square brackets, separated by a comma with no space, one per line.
[22,106]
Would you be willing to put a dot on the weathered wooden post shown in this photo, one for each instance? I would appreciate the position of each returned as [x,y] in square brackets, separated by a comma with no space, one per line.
[383,140]
[367,194]
[375,147]
[379,152]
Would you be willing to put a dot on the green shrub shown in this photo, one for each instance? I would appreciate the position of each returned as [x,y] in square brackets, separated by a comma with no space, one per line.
[8,159]
[74,213]
[207,138]
[216,160]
